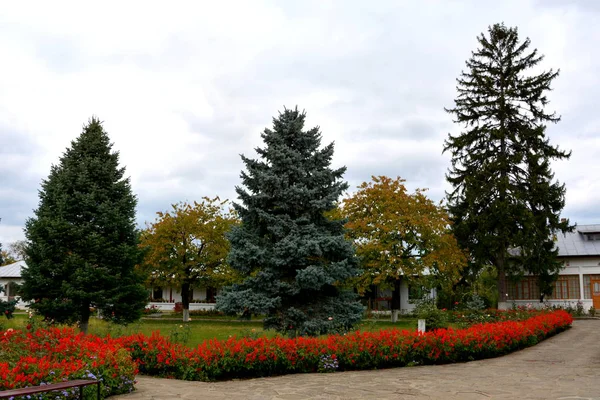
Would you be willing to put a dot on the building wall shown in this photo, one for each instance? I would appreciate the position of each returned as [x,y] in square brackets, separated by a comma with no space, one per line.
[193,306]
[406,304]
[170,295]
[3,294]
[173,294]
[583,268]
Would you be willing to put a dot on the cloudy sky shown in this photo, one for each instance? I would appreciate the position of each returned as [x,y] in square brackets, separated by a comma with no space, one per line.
[185,88]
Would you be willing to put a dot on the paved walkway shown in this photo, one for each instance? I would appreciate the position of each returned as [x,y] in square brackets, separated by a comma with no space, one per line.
[566,366]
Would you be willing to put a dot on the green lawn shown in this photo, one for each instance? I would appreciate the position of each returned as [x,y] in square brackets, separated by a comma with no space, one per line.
[200,329]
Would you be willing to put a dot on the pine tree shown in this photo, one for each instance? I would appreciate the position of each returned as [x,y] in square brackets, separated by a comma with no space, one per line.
[295,258]
[504,204]
[83,243]
[1,255]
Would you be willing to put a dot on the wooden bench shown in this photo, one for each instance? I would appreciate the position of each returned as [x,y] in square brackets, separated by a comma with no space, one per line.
[79,383]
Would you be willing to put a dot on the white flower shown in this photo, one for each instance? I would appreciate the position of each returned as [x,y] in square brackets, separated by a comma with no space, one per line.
[330,318]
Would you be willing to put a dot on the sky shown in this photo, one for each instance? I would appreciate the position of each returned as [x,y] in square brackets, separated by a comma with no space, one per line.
[184,88]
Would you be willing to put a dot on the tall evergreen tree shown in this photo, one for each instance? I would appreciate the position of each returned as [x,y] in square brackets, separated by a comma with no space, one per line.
[295,258]
[83,243]
[503,197]
[1,255]
[545,199]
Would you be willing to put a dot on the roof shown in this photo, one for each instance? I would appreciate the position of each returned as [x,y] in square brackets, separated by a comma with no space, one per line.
[588,228]
[12,270]
[577,244]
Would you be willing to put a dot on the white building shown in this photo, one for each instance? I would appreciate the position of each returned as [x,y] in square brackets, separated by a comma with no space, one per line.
[203,298]
[579,279]
[379,299]
[9,275]
[164,298]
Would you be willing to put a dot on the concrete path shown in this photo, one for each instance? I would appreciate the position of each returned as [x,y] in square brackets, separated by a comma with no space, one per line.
[566,366]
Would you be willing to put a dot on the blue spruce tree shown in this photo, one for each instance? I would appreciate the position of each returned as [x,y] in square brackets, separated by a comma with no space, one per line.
[295,258]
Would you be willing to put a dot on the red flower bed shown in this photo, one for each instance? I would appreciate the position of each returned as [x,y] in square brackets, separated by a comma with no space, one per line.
[55,355]
[52,355]
[244,358]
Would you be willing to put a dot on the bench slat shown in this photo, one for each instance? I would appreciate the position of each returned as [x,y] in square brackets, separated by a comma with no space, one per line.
[48,388]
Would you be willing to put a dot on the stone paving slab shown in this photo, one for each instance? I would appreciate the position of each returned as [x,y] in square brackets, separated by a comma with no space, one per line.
[564,367]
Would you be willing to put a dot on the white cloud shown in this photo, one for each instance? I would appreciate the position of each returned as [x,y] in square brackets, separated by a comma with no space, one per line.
[184,88]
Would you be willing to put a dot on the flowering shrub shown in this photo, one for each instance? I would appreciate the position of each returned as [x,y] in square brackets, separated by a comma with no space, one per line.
[32,358]
[328,363]
[470,317]
[245,358]
[207,313]
[152,309]
[35,357]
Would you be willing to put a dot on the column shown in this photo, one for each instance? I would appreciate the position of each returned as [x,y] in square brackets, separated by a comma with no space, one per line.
[581,291]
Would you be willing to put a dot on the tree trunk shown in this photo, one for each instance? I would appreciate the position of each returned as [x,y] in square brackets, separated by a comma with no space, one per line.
[502,289]
[185,301]
[503,189]
[85,318]
[396,300]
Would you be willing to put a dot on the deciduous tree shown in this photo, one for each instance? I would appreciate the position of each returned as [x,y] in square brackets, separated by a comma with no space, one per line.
[294,258]
[400,234]
[186,247]
[6,257]
[17,250]
[82,242]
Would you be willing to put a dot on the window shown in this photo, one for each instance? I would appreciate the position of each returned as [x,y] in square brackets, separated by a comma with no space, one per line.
[157,293]
[566,287]
[210,294]
[587,282]
[524,289]
[416,292]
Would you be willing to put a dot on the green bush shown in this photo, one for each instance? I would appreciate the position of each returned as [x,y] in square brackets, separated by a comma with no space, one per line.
[206,313]
[7,308]
[475,303]
[579,309]
[434,318]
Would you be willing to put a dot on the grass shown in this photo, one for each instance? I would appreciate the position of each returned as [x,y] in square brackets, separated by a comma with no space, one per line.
[200,329]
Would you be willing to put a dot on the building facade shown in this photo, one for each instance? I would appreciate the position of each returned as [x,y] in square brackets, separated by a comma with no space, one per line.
[579,280]
[9,276]
[163,298]
[379,299]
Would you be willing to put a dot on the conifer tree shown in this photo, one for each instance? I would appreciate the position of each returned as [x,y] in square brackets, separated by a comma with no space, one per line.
[504,203]
[294,257]
[545,199]
[83,243]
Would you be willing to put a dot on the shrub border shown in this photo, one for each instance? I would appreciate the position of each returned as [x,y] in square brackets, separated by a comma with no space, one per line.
[249,358]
